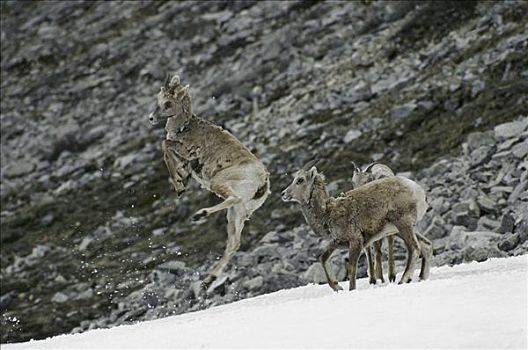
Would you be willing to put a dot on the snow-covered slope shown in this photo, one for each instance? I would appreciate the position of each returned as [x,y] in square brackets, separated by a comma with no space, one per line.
[476,305]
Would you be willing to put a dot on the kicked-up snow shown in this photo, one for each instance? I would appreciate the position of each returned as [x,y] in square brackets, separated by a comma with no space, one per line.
[475,305]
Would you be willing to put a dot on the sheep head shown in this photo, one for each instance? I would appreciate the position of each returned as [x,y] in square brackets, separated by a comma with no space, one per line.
[360,177]
[301,187]
[173,101]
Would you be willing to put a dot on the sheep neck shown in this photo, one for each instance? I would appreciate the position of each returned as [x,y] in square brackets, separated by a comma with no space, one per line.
[314,210]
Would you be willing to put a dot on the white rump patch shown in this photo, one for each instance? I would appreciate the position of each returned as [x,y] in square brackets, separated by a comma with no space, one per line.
[418,195]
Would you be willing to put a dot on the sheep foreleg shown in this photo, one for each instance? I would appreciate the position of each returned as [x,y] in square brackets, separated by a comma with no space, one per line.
[330,277]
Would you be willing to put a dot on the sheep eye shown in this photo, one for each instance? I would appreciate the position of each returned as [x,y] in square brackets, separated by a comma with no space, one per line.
[300,181]
[167,105]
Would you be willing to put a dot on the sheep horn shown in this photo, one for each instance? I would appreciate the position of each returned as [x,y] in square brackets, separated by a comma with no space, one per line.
[310,164]
[370,166]
[356,168]
[167,80]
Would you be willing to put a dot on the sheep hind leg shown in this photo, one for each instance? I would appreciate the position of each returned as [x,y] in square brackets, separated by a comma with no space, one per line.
[390,258]
[231,200]
[426,248]
[413,251]
[353,256]
[370,264]
[378,266]
[235,223]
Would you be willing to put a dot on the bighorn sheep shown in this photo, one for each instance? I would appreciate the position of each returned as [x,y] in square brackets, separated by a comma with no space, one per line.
[213,157]
[362,216]
[371,172]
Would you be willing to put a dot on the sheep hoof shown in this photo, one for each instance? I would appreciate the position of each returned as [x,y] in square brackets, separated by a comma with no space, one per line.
[336,287]
[199,215]
[372,280]
[406,280]
[392,278]
[206,283]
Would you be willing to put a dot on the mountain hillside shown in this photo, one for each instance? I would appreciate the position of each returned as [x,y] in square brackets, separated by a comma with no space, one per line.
[92,234]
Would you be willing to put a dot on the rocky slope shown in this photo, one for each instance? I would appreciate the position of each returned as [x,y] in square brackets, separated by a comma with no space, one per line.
[93,236]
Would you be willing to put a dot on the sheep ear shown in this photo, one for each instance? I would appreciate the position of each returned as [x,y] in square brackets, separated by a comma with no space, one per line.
[312,172]
[356,168]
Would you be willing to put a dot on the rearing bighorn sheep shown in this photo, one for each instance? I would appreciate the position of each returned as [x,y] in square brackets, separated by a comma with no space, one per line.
[362,216]
[371,172]
[213,157]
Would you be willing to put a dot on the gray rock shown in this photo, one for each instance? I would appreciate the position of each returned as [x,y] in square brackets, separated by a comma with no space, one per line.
[315,274]
[502,189]
[507,224]
[479,139]
[460,238]
[479,155]
[440,205]
[520,150]
[18,168]
[512,129]
[466,214]
[509,242]
[403,111]
[437,229]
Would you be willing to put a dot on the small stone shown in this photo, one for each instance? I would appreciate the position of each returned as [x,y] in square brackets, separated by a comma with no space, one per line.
[486,204]
[501,189]
[468,193]
[87,294]
[501,155]
[6,299]
[85,243]
[506,144]
[488,224]
[47,220]
[466,214]
[172,266]
[59,298]
[440,205]
[352,135]
[479,156]
[254,283]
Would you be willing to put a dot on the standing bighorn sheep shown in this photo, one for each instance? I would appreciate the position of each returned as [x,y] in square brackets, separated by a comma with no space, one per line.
[197,148]
[371,172]
[361,217]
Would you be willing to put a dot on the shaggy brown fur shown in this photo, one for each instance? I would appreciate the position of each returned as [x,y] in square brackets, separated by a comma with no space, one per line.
[216,159]
[361,217]
[371,172]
